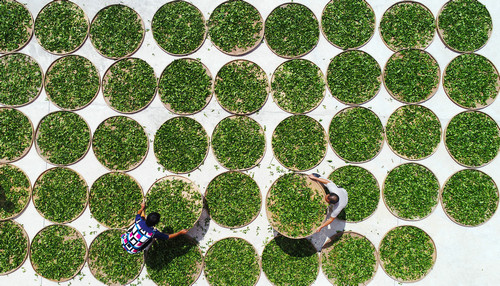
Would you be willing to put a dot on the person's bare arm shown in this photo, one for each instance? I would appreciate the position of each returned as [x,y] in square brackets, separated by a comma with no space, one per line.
[321,180]
[141,211]
[327,222]
[184,231]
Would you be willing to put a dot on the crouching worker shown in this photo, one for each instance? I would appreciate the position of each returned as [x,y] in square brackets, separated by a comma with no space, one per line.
[142,233]
[335,196]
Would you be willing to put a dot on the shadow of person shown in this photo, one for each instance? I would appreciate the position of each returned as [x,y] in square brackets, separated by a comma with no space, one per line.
[5,204]
[163,252]
[200,229]
[295,247]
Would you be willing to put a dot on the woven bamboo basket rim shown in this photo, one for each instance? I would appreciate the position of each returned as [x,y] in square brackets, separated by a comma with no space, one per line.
[138,45]
[27,149]
[93,270]
[329,246]
[490,100]
[263,75]
[320,74]
[379,79]
[441,191]
[408,2]
[204,34]
[261,131]
[106,77]
[381,141]
[29,29]
[25,235]
[168,106]
[206,194]
[75,6]
[259,261]
[394,212]
[46,80]
[35,196]
[406,157]
[378,187]
[242,51]
[30,192]
[293,168]
[206,152]
[434,89]
[434,256]
[193,186]
[441,31]
[90,198]
[41,75]
[79,236]
[353,48]
[199,265]
[39,151]
[136,164]
[312,247]
[319,192]
[304,53]
[448,150]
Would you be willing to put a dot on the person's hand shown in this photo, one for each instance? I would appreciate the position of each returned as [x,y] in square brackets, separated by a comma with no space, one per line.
[318,229]
[143,205]
[312,177]
[184,231]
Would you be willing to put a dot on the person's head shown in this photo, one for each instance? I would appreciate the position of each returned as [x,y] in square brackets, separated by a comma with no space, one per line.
[152,219]
[332,198]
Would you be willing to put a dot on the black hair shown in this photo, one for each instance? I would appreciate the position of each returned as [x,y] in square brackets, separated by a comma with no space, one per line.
[152,219]
[333,198]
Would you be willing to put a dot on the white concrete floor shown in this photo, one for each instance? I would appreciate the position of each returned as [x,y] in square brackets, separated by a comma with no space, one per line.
[465,256]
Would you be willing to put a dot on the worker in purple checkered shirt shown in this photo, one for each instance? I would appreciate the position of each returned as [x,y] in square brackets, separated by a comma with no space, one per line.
[142,233]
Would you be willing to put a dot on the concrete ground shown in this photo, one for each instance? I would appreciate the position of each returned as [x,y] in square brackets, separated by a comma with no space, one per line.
[465,255]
